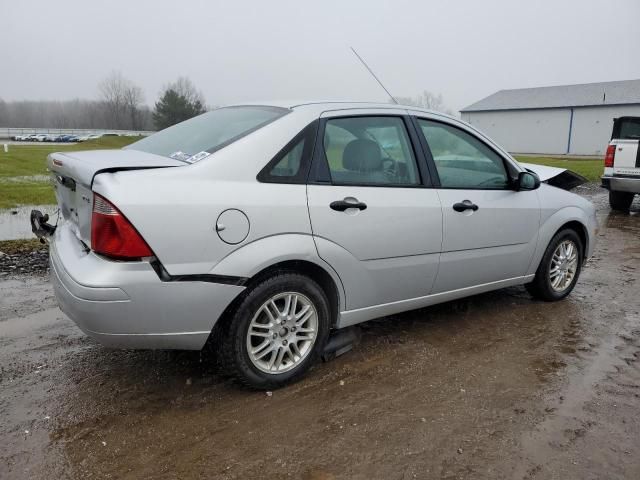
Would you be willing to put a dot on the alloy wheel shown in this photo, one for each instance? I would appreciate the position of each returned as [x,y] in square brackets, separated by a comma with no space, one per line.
[564,264]
[282,332]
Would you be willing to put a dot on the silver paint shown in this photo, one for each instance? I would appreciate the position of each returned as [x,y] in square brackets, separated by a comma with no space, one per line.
[407,250]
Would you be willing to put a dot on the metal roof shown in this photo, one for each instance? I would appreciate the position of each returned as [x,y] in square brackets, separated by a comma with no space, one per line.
[581,95]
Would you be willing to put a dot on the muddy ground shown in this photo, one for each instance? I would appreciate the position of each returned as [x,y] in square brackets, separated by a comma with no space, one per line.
[494,386]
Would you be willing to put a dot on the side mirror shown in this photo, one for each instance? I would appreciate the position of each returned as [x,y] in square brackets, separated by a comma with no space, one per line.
[527,181]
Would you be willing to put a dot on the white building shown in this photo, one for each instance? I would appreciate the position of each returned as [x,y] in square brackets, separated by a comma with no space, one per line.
[567,119]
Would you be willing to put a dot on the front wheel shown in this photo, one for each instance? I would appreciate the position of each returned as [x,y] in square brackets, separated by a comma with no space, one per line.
[559,268]
[277,332]
[620,200]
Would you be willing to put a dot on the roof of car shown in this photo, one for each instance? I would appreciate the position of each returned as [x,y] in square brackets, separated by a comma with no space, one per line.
[319,106]
[325,104]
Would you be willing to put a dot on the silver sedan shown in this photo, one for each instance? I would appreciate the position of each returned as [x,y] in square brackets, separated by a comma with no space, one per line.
[266,230]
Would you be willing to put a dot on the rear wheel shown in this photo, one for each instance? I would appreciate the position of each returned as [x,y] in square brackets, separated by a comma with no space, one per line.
[277,332]
[620,200]
[559,268]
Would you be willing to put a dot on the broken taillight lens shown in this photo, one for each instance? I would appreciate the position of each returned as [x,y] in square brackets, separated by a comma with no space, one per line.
[113,235]
[610,156]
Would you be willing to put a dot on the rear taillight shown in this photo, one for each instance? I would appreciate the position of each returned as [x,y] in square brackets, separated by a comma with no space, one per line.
[610,156]
[113,235]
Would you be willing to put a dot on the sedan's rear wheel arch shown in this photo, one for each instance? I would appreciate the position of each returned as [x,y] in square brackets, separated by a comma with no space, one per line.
[283,316]
[311,270]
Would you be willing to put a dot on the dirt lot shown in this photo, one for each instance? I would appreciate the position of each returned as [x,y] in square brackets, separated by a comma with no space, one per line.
[494,386]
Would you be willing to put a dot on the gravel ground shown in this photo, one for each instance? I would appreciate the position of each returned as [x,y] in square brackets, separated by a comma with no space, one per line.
[23,258]
[490,387]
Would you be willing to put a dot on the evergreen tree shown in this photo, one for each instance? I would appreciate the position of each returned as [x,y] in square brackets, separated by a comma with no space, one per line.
[179,102]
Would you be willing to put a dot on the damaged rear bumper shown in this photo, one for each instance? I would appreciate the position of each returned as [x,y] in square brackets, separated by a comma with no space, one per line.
[126,304]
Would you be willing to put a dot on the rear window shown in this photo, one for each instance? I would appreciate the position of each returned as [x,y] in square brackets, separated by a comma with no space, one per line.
[193,139]
[626,128]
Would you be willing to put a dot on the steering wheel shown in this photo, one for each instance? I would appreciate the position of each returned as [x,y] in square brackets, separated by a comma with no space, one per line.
[390,167]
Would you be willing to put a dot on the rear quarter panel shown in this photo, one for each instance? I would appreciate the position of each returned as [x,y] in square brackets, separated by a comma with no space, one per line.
[175,210]
[177,217]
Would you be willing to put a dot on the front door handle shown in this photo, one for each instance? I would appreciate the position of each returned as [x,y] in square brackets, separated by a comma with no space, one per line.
[465,205]
[342,205]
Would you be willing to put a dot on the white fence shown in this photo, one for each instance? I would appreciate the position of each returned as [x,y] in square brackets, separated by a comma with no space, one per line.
[10,132]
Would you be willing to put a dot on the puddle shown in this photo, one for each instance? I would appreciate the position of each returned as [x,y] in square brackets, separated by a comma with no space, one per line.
[14,222]
[25,179]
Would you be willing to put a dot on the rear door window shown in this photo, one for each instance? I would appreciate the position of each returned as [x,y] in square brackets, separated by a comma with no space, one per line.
[291,164]
[369,151]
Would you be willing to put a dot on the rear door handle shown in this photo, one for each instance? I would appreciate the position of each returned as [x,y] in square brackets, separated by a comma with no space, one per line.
[342,205]
[465,205]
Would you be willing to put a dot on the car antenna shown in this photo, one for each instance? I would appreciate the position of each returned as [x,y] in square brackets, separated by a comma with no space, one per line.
[373,75]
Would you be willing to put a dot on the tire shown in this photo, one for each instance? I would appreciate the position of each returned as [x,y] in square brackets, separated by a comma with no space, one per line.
[542,286]
[620,201]
[235,341]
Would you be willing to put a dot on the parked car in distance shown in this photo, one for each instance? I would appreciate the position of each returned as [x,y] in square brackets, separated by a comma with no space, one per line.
[84,138]
[66,138]
[266,229]
[622,163]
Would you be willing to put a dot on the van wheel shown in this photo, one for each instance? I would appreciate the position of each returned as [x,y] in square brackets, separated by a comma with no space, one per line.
[620,200]
[277,332]
[559,269]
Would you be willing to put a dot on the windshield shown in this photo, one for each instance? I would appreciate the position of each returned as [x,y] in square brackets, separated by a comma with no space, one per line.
[193,139]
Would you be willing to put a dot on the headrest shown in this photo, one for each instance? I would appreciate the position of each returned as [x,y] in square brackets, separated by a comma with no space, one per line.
[362,155]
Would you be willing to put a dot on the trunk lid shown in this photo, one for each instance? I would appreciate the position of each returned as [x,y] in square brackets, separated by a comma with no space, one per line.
[72,175]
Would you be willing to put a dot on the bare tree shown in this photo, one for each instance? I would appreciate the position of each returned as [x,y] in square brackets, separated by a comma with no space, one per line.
[428,100]
[185,88]
[133,98]
[112,93]
[122,99]
[67,114]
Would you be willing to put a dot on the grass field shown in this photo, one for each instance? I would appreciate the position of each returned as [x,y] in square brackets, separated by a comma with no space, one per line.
[589,168]
[23,170]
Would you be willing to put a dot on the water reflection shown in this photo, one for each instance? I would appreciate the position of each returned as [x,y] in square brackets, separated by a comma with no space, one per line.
[14,222]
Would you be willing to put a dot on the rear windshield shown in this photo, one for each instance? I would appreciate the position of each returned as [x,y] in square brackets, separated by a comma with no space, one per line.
[626,128]
[193,139]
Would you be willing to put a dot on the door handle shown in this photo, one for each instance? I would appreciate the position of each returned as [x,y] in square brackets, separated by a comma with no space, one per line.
[342,205]
[465,205]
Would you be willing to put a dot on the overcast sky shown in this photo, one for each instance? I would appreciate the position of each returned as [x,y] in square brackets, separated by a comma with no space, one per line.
[242,51]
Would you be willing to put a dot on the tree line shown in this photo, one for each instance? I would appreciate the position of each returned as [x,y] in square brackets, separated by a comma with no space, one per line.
[120,106]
